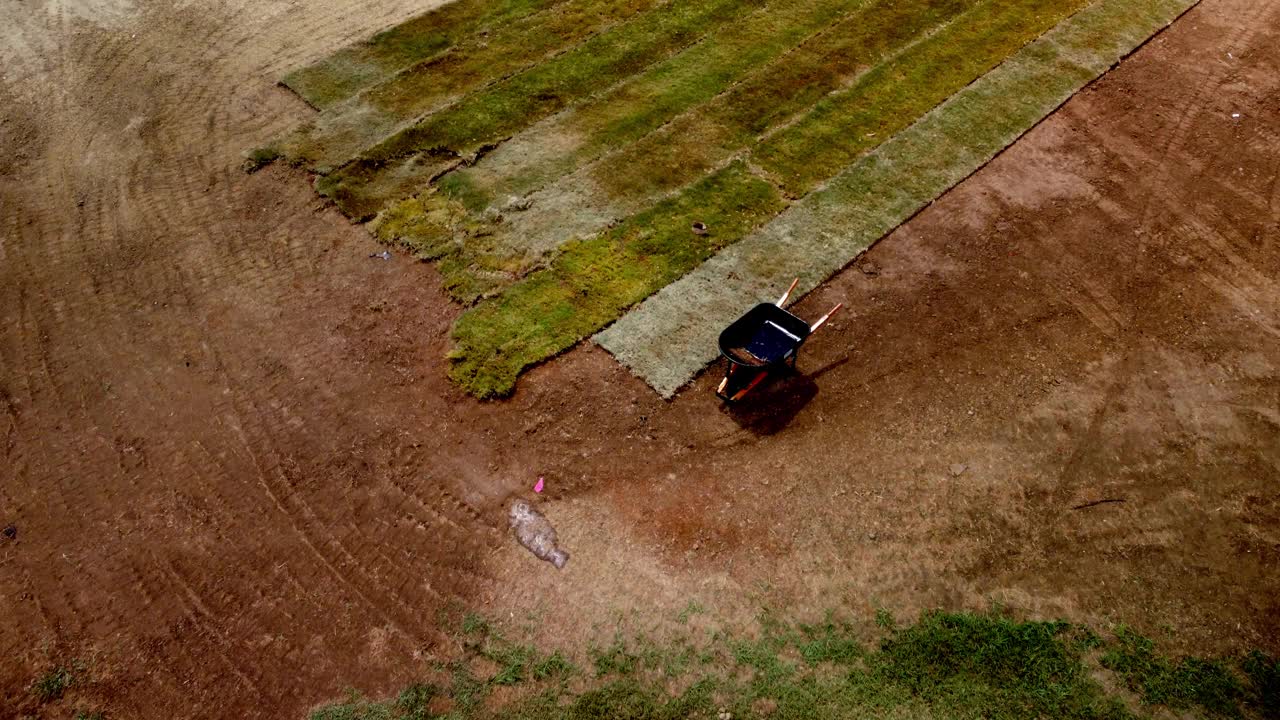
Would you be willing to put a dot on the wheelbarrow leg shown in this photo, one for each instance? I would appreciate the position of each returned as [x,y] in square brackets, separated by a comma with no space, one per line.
[758,378]
[725,382]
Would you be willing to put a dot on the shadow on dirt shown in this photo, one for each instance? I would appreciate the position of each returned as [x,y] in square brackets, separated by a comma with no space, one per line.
[770,408]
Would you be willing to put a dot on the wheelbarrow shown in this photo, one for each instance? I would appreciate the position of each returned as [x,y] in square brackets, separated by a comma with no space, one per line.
[763,340]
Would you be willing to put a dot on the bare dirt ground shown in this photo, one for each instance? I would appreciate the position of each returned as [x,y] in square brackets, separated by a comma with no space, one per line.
[241,482]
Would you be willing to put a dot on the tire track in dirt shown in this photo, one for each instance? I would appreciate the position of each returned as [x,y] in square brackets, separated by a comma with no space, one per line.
[182,343]
[207,620]
[330,552]
[140,261]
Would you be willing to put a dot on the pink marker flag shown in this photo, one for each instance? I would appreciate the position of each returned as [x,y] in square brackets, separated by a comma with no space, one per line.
[537,487]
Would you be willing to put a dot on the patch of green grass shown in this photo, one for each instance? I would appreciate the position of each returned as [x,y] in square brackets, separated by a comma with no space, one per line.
[643,103]
[467,691]
[343,131]
[522,99]
[885,619]
[838,125]
[594,280]
[344,73]
[475,624]
[429,225]
[830,641]
[553,666]
[615,659]
[513,661]
[53,684]
[487,116]
[945,665]
[90,715]
[259,158]
[693,143]
[693,608]
[892,95]
[458,186]
[1264,675]
[507,50]
[356,707]
[414,702]
[1182,684]
[1027,669]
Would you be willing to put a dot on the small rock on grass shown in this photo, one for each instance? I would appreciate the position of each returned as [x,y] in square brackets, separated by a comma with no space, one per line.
[957,469]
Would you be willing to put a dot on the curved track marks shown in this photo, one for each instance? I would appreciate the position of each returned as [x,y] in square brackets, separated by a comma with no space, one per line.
[182,426]
[242,483]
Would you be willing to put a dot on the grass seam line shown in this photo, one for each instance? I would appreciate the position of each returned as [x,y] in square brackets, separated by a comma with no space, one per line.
[676,49]
[350,103]
[619,210]
[610,151]
[710,10]
[479,25]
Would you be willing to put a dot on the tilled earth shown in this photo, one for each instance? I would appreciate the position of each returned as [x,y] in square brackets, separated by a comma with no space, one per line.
[241,482]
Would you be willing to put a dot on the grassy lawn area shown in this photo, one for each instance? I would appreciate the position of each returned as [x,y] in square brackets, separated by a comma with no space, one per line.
[945,665]
[493,113]
[626,121]
[345,129]
[347,71]
[594,280]
[523,325]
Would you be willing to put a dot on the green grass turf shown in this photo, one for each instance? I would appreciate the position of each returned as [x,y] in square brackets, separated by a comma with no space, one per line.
[594,280]
[945,665]
[347,129]
[490,115]
[891,96]
[695,143]
[346,72]
[488,356]
[603,60]
[474,266]
[675,113]
[644,103]
[671,336]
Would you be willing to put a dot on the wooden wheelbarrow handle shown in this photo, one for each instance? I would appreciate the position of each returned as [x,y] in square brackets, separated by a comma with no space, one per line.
[813,328]
[782,300]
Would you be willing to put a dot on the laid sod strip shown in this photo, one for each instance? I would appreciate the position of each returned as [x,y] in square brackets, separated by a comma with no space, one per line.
[568,140]
[351,69]
[482,259]
[888,97]
[470,257]
[593,281]
[360,200]
[487,117]
[697,142]
[891,96]
[578,206]
[672,335]
[344,130]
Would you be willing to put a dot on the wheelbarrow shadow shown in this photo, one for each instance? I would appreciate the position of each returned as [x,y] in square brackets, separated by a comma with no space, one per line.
[770,408]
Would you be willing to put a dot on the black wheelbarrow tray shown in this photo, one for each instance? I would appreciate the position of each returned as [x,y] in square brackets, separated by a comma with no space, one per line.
[765,339]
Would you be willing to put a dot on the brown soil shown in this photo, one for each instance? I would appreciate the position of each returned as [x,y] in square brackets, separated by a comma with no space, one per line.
[242,484]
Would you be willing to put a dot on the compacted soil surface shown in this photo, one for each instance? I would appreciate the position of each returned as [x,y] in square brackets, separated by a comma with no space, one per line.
[238,481]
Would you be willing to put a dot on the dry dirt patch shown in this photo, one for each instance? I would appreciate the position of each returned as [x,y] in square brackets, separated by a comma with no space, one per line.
[241,483]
